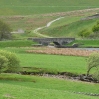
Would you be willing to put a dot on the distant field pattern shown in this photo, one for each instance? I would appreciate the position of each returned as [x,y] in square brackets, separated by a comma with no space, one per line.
[24,7]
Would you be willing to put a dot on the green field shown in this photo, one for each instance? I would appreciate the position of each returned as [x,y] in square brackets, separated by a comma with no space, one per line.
[26,22]
[86,43]
[30,15]
[54,62]
[69,28]
[43,87]
[33,87]
[27,16]
[51,63]
[16,43]
[24,7]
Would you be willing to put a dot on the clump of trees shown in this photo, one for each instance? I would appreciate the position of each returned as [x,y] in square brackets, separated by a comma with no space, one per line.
[93,62]
[5,31]
[9,62]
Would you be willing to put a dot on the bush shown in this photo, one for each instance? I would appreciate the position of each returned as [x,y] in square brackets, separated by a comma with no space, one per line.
[3,63]
[93,62]
[95,28]
[84,33]
[12,62]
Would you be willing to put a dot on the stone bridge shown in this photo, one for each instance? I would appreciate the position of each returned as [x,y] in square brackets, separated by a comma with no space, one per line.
[56,41]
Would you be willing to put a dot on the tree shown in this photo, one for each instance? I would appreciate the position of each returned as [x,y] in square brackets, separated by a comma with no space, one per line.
[84,33]
[5,31]
[93,62]
[9,61]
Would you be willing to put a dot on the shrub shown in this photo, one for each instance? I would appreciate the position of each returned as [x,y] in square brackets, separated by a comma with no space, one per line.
[3,63]
[12,63]
[95,28]
[84,33]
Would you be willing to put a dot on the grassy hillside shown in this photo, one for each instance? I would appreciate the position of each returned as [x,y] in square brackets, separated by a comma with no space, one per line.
[28,15]
[70,27]
[24,7]
[26,22]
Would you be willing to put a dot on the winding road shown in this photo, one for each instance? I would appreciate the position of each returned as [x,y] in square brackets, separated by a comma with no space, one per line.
[48,24]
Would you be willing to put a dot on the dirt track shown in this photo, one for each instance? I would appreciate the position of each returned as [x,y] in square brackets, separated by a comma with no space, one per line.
[48,24]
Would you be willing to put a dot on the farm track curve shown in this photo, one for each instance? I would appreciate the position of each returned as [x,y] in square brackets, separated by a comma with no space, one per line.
[61,15]
[48,24]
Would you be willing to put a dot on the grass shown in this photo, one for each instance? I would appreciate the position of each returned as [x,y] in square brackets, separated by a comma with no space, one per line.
[87,43]
[34,87]
[28,87]
[16,43]
[27,16]
[71,29]
[66,20]
[32,7]
[50,63]
[26,22]
[54,62]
